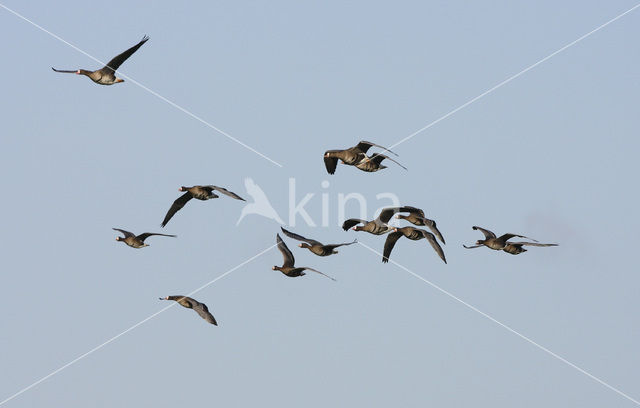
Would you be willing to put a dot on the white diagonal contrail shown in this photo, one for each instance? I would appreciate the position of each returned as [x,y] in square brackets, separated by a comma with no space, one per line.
[511,78]
[152,92]
[98,347]
[522,336]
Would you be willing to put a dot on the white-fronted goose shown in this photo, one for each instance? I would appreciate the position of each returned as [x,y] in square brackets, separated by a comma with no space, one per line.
[515,248]
[376,227]
[137,241]
[314,246]
[191,303]
[372,164]
[416,217]
[288,268]
[107,74]
[491,241]
[413,234]
[350,156]
[198,192]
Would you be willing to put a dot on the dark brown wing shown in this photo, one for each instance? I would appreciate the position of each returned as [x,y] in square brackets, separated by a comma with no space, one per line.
[300,237]
[414,210]
[487,234]
[387,213]
[378,158]
[434,244]
[532,244]
[204,189]
[126,233]
[351,222]
[116,61]
[431,224]
[334,246]
[64,71]
[184,301]
[203,311]
[227,192]
[176,206]
[146,235]
[389,244]
[313,270]
[289,260]
[506,237]
[330,163]
[364,146]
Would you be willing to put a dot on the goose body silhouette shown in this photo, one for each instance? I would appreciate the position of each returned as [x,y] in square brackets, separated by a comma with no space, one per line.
[107,74]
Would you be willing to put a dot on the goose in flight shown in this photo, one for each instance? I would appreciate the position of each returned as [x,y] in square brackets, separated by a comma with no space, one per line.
[378,226]
[315,246]
[416,217]
[491,241]
[191,303]
[515,248]
[137,241]
[350,156]
[198,192]
[288,267]
[413,234]
[107,74]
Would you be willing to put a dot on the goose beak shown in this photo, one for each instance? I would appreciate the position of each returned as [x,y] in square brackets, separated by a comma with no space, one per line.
[395,230]
[300,245]
[353,228]
[117,238]
[273,268]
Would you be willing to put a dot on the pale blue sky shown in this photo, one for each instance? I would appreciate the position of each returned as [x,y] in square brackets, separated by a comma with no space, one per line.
[551,155]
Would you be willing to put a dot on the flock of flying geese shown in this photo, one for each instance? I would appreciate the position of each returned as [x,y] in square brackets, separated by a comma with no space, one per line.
[354,156]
